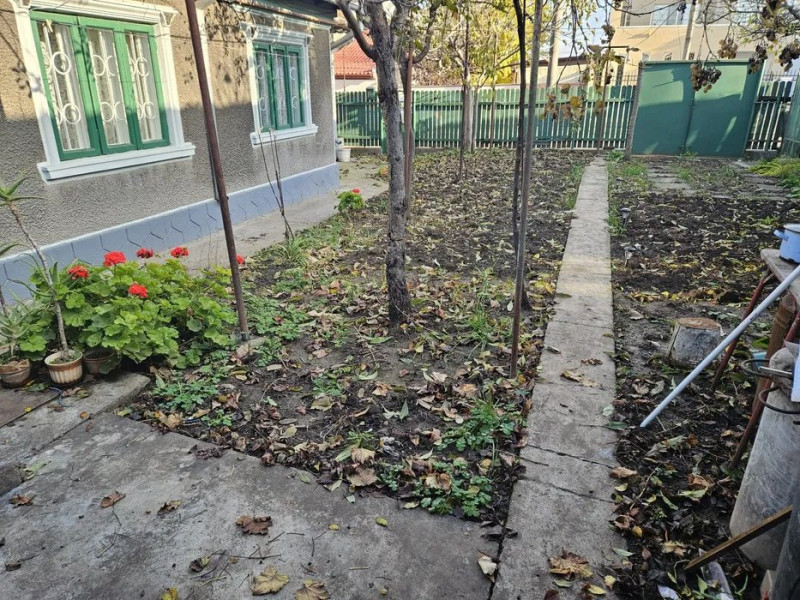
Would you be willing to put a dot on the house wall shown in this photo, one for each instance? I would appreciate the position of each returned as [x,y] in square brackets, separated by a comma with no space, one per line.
[167,203]
[656,42]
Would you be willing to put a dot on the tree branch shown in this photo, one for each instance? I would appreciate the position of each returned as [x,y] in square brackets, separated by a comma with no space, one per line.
[426,45]
[355,27]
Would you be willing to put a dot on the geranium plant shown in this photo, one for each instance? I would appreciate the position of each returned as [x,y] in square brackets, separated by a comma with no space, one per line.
[350,201]
[146,310]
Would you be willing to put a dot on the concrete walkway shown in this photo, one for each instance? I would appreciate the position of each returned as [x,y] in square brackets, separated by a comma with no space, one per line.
[260,232]
[564,501]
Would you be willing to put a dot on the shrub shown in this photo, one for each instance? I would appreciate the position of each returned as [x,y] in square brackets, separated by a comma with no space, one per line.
[141,311]
[350,201]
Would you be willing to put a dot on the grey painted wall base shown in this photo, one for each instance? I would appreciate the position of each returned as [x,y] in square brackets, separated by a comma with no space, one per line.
[168,229]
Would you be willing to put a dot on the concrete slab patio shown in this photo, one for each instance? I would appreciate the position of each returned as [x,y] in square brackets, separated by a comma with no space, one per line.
[563,502]
[68,547]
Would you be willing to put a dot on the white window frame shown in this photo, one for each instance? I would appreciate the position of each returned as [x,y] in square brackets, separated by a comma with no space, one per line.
[672,14]
[260,33]
[160,17]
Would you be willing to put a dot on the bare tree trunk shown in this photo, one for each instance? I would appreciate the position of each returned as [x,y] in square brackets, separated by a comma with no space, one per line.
[519,9]
[62,335]
[526,184]
[406,70]
[388,94]
[466,112]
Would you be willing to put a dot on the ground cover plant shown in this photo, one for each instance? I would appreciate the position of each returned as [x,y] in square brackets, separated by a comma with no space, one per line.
[686,239]
[424,412]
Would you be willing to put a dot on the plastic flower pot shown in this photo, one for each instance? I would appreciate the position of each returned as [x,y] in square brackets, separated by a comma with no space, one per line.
[15,373]
[65,372]
[343,154]
[100,361]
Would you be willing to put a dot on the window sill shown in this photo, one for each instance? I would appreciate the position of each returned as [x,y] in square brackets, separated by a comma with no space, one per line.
[113,162]
[286,134]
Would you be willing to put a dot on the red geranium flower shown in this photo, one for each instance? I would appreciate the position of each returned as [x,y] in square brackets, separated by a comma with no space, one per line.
[179,251]
[240,259]
[144,253]
[114,258]
[356,191]
[137,290]
[78,272]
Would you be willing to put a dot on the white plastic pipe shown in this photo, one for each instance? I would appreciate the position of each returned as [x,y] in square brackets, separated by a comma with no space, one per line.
[722,345]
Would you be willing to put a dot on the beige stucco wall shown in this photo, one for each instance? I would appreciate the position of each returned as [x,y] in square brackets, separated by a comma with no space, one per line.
[656,42]
[91,203]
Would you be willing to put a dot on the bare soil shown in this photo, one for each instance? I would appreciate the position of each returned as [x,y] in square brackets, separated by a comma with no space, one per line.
[424,412]
[693,236]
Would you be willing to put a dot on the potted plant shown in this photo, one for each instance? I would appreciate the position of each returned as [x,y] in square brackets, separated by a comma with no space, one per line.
[65,366]
[15,370]
[100,361]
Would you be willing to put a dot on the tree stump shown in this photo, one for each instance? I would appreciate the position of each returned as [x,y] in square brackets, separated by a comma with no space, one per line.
[693,338]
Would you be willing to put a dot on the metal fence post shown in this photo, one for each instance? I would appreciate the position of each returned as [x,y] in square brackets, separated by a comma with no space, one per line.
[634,112]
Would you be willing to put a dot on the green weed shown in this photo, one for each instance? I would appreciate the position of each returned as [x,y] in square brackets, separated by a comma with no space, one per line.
[487,421]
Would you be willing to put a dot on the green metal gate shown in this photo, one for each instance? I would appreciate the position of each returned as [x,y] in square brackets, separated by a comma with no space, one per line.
[673,118]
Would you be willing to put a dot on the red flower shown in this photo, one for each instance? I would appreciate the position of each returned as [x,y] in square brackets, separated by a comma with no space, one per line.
[240,259]
[356,191]
[179,251]
[78,272]
[114,258]
[137,290]
[144,253]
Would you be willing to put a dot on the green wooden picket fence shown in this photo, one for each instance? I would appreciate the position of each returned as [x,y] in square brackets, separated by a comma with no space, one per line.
[437,118]
[771,110]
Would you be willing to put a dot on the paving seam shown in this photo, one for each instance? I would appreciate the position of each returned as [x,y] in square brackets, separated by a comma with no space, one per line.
[544,521]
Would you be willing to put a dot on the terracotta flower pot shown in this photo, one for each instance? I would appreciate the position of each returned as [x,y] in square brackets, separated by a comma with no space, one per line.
[99,361]
[16,373]
[65,373]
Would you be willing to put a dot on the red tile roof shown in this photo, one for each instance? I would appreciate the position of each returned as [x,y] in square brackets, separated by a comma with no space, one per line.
[350,62]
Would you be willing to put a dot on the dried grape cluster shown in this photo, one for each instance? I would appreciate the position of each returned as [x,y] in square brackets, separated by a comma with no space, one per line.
[703,77]
[728,47]
[790,52]
[758,59]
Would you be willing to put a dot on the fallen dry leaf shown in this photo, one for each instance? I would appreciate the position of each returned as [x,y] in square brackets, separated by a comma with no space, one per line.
[20,500]
[488,566]
[579,378]
[169,507]
[570,564]
[254,525]
[362,477]
[111,499]
[382,521]
[551,595]
[198,564]
[312,590]
[595,590]
[268,582]
[622,473]
[170,594]
[362,455]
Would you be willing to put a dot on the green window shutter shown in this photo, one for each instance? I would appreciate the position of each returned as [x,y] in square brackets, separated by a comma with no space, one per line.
[102,83]
[280,81]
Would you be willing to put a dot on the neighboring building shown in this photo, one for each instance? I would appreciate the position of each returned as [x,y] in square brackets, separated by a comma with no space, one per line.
[354,71]
[660,31]
[100,106]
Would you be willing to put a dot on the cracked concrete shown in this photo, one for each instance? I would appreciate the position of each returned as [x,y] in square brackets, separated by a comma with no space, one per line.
[564,500]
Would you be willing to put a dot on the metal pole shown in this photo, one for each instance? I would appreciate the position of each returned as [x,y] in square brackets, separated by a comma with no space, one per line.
[634,112]
[722,345]
[216,165]
[526,185]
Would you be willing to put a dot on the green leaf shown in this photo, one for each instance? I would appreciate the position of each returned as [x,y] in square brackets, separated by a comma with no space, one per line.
[382,521]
